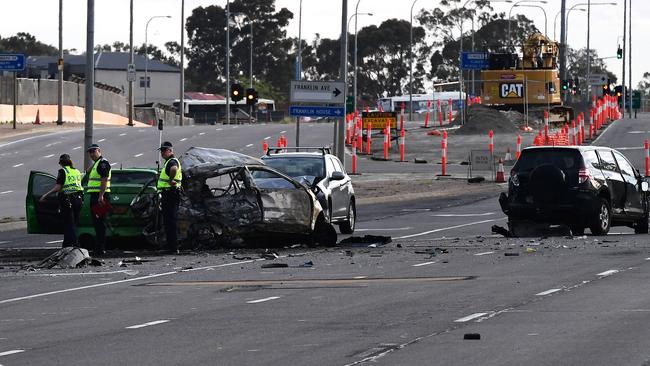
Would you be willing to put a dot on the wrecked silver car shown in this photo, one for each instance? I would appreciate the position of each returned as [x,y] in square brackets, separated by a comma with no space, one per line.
[230,199]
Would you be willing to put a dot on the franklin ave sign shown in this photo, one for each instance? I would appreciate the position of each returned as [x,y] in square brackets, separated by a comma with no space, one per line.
[324,92]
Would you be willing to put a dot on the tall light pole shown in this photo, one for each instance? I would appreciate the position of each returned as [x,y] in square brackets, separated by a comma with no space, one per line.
[59,119]
[299,67]
[558,14]
[90,78]
[339,142]
[411,59]
[545,18]
[624,52]
[146,53]
[250,62]
[181,93]
[354,88]
[131,62]
[630,63]
[510,14]
[227,62]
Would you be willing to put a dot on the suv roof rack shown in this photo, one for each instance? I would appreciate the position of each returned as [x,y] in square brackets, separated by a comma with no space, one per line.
[323,149]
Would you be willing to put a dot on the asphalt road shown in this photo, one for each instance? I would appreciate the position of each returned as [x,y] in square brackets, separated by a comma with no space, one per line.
[533,301]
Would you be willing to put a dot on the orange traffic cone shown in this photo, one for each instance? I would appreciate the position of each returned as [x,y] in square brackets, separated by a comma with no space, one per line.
[501,178]
[37,121]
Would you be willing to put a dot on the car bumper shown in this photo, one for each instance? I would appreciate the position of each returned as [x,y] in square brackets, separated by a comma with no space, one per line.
[578,209]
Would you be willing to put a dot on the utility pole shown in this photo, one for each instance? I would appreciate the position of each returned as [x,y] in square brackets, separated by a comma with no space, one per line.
[181,105]
[250,72]
[563,47]
[624,52]
[588,52]
[131,61]
[339,143]
[59,119]
[227,62]
[630,64]
[299,69]
[90,79]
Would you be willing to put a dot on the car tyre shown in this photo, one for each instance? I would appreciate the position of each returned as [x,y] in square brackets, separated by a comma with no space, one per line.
[641,226]
[347,226]
[602,219]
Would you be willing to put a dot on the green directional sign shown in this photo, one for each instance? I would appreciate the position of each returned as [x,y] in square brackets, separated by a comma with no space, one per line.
[636,100]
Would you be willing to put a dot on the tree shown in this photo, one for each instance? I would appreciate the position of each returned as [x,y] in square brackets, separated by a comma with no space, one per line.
[27,44]
[577,64]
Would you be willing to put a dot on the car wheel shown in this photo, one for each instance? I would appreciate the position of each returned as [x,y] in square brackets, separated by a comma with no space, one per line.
[641,226]
[577,230]
[347,226]
[602,219]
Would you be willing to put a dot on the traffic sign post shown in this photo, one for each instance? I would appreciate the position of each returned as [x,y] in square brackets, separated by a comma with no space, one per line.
[597,79]
[379,120]
[130,73]
[474,60]
[316,111]
[13,62]
[325,92]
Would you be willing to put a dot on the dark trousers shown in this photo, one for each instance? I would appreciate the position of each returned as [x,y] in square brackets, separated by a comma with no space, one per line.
[169,201]
[99,222]
[69,206]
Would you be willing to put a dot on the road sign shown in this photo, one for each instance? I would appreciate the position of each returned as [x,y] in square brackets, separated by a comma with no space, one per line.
[322,92]
[12,62]
[475,60]
[130,72]
[379,120]
[316,111]
[597,79]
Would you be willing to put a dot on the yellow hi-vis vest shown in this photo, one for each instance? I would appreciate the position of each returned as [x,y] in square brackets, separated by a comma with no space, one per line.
[95,180]
[72,181]
[164,179]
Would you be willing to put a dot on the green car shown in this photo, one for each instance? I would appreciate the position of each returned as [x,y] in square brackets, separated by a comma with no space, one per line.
[43,217]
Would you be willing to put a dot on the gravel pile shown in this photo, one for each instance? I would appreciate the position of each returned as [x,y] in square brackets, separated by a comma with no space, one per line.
[481,119]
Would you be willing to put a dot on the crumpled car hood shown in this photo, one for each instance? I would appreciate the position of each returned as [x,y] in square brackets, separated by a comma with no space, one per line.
[202,159]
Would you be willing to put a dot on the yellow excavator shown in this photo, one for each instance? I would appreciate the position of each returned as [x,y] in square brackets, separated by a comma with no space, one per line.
[529,84]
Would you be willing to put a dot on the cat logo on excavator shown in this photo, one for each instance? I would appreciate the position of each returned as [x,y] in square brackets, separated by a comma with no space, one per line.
[512,90]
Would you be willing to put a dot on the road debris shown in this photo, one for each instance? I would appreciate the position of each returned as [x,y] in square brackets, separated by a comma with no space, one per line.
[511,254]
[472,336]
[496,229]
[366,241]
[275,265]
[68,257]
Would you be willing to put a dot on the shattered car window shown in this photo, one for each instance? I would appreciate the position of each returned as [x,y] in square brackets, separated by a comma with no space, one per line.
[298,166]
[266,180]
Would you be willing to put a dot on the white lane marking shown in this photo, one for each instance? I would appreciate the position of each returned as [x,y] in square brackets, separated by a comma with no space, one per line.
[126,271]
[138,155]
[54,241]
[423,264]
[34,296]
[470,317]
[249,145]
[219,129]
[5,192]
[53,143]
[638,131]
[13,351]
[630,148]
[102,140]
[76,148]
[283,131]
[548,292]
[608,273]
[388,229]
[415,209]
[267,138]
[648,259]
[183,139]
[463,215]
[484,253]
[17,165]
[448,228]
[123,134]
[5,242]
[201,133]
[156,322]
[263,300]
[48,156]
[359,277]
[38,136]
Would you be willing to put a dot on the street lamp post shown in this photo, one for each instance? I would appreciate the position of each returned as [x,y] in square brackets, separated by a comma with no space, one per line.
[59,119]
[181,101]
[510,14]
[250,62]
[545,18]
[567,15]
[298,67]
[146,53]
[227,62]
[411,60]
[354,87]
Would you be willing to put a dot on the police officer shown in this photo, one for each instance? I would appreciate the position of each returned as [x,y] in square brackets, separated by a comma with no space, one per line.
[169,184]
[99,186]
[70,194]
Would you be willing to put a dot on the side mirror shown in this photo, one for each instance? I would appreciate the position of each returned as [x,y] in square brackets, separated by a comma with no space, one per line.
[644,186]
[338,176]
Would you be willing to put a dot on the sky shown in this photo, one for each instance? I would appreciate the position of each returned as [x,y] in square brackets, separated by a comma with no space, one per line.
[40,18]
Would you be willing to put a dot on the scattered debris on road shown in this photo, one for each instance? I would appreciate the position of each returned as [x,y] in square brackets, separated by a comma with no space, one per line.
[68,257]
[366,241]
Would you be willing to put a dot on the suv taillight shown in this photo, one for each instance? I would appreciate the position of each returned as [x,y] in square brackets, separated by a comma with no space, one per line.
[583,175]
[514,178]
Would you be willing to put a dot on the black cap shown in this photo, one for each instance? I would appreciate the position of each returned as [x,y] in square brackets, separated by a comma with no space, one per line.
[166,145]
[93,147]
[64,157]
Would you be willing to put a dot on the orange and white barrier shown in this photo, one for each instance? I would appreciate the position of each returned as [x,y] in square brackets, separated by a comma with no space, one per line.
[265,147]
[386,141]
[501,176]
[354,156]
[402,146]
[518,153]
[426,116]
[491,144]
[443,145]
[369,138]
[646,146]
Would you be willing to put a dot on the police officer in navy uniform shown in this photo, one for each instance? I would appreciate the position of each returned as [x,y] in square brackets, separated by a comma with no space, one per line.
[169,185]
[70,194]
[99,187]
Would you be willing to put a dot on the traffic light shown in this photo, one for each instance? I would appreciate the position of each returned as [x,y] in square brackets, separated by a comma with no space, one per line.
[251,96]
[565,85]
[236,92]
[576,86]
[606,89]
[619,53]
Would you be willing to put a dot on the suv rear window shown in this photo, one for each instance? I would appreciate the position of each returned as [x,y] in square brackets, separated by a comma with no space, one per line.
[564,159]
[298,166]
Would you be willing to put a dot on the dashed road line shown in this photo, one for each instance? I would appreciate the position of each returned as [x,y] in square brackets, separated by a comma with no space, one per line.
[102,140]
[448,228]
[76,148]
[267,138]
[470,317]
[54,241]
[183,139]
[608,273]
[263,300]
[484,253]
[249,145]
[423,264]
[548,292]
[219,129]
[463,215]
[387,229]
[156,322]
[283,131]
[112,164]
[5,242]
[12,352]
[17,165]
[123,134]
[138,155]
[201,133]
[48,156]
[5,192]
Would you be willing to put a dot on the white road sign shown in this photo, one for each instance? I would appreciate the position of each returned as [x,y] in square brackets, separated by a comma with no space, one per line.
[597,79]
[325,92]
[130,72]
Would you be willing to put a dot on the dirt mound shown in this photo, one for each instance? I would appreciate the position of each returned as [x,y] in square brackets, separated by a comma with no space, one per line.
[481,120]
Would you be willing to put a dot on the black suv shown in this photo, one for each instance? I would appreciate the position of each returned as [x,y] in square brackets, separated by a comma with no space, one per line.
[582,187]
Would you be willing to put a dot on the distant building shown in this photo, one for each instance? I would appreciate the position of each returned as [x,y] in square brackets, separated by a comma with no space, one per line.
[163,81]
